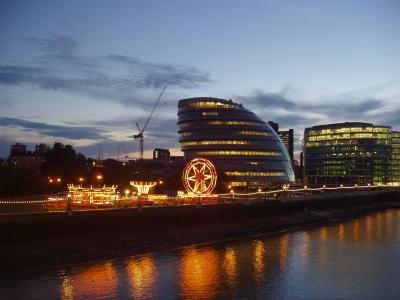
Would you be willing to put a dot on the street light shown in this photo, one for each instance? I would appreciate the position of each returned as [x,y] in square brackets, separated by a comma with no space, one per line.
[126,193]
[58,179]
[99,177]
[81,179]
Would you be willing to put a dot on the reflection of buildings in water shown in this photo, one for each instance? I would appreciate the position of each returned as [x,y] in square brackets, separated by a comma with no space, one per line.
[306,246]
[388,227]
[93,282]
[323,233]
[355,226]
[259,259]
[373,228]
[66,288]
[199,273]
[283,250]
[341,232]
[142,275]
[368,226]
[230,266]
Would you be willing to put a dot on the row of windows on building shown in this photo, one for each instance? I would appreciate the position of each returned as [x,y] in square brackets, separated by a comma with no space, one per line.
[360,152]
[238,153]
[222,122]
[240,132]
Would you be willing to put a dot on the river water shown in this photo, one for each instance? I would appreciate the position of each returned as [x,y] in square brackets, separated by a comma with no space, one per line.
[357,259]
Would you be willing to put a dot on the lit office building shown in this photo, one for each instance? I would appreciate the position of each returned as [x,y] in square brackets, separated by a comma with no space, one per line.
[286,137]
[349,153]
[395,166]
[246,151]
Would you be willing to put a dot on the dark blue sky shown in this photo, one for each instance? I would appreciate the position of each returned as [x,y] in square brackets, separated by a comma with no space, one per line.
[84,72]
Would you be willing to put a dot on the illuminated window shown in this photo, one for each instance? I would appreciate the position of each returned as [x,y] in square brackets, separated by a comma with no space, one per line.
[238,183]
[212,104]
[210,113]
[228,142]
[255,174]
[244,153]
[257,133]
[185,133]
[233,123]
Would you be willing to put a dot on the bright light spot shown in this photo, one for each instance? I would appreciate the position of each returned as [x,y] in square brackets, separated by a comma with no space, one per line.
[99,177]
[58,179]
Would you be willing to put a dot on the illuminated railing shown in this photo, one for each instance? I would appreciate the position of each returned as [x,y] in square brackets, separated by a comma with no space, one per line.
[225,196]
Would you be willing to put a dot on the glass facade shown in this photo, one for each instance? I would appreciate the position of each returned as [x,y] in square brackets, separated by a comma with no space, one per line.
[395,164]
[245,150]
[349,153]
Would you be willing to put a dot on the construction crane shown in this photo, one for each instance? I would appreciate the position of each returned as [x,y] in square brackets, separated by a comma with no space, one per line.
[141,131]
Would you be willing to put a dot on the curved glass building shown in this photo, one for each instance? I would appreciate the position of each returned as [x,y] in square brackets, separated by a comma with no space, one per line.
[348,153]
[246,151]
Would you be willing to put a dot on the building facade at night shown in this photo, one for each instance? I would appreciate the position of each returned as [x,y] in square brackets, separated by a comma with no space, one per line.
[351,153]
[286,137]
[395,166]
[245,150]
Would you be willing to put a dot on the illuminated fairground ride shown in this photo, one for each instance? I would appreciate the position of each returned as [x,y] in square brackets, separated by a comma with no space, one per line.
[92,196]
[199,177]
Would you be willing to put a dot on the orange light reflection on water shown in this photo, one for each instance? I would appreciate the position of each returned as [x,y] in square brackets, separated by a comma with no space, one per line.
[259,259]
[199,273]
[230,265]
[96,281]
[142,275]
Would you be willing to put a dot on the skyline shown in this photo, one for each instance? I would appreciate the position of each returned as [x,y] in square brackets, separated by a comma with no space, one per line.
[87,76]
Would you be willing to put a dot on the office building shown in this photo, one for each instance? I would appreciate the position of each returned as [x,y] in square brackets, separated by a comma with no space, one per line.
[350,153]
[245,150]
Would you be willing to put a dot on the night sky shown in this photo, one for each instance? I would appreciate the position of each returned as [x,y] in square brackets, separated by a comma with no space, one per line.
[84,72]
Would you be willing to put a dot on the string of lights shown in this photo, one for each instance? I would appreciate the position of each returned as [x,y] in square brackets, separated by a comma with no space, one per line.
[212,196]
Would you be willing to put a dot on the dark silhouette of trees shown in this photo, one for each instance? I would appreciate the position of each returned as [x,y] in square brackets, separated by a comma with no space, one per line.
[63,162]
[19,181]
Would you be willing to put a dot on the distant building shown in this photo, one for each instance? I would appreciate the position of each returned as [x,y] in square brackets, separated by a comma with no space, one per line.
[286,137]
[41,149]
[351,153]
[20,157]
[161,154]
[274,126]
[17,149]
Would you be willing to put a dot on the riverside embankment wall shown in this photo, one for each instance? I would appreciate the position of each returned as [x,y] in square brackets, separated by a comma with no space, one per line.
[83,222]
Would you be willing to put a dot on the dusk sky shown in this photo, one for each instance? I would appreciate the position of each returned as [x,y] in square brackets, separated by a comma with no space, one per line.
[84,72]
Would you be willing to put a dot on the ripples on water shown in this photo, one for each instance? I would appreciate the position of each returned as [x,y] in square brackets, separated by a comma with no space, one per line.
[357,259]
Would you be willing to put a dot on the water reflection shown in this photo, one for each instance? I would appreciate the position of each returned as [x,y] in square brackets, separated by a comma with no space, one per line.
[259,260]
[141,275]
[97,281]
[230,266]
[359,256]
[199,273]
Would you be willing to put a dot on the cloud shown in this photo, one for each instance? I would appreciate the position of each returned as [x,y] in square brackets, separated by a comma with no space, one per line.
[67,132]
[268,100]
[58,65]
